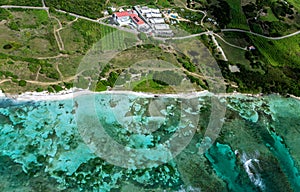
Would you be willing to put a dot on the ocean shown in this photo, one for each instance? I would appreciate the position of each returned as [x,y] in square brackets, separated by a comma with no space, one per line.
[131,142]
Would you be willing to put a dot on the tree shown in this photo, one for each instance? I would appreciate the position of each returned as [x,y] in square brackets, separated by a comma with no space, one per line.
[22,83]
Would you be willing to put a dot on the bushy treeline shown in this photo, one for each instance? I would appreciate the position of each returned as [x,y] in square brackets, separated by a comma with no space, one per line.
[91,9]
[34,65]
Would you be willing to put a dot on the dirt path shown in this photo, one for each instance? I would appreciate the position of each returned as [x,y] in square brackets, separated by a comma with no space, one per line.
[71,22]
[243,48]
[52,83]
[59,72]
[58,38]
[38,73]
[54,57]
[5,80]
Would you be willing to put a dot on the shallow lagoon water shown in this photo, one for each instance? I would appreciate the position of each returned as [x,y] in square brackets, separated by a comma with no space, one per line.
[42,148]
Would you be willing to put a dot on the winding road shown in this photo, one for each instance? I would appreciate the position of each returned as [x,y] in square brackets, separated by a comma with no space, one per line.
[257,34]
[22,7]
[135,32]
[61,46]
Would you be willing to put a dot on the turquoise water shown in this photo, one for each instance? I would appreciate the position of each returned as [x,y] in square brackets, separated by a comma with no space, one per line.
[58,145]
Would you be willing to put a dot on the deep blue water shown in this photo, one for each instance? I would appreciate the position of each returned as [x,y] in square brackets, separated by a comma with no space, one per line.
[128,143]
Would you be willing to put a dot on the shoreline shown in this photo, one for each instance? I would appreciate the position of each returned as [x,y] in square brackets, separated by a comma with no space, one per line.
[75,92]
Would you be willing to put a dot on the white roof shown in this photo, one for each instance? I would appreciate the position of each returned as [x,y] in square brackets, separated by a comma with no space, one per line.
[157,20]
[155,11]
[145,11]
[149,15]
[161,26]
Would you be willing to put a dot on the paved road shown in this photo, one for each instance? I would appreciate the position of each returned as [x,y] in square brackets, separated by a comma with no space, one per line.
[23,7]
[43,3]
[72,14]
[199,11]
[135,32]
[97,21]
[184,37]
[229,43]
[250,32]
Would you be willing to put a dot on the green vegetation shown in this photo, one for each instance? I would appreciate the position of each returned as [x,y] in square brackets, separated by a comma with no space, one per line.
[91,32]
[57,88]
[132,2]
[22,83]
[167,78]
[284,52]
[233,54]
[271,17]
[270,68]
[91,9]
[238,19]
[4,14]
[110,82]
[29,45]
[163,3]
[186,63]
[22,2]
[221,11]
[149,85]
[28,34]
[33,19]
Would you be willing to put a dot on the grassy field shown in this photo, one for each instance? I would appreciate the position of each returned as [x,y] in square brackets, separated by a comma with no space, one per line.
[31,60]
[28,49]
[269,16]
[233,54]
[283,52]
[28,33]
[134,55]
[238,19]
[239,39]
[295,3]
[151,86]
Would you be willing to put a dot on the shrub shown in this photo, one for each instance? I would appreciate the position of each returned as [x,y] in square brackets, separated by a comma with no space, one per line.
[22,83]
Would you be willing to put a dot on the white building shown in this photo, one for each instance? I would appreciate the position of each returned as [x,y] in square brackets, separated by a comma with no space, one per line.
[128,18]
[157,20]
[150,15]
[161,27]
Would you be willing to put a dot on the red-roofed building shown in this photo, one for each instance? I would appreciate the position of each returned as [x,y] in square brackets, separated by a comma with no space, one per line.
[128,17]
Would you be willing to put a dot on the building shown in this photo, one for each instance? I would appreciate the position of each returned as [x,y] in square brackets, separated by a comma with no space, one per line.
[150,15]
[154,20]
[157,20]
[161,27]
[144,10]
[128,18]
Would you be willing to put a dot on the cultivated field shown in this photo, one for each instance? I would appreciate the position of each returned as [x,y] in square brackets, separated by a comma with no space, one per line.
[284,52]
[238,19]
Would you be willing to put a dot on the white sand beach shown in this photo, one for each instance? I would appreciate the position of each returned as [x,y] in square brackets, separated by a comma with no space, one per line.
[75,92]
